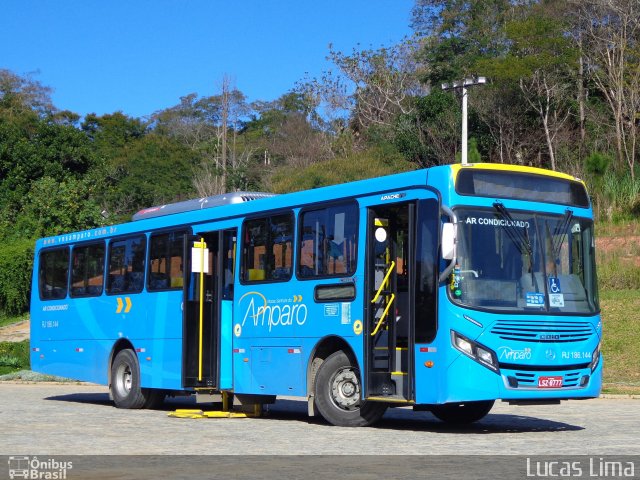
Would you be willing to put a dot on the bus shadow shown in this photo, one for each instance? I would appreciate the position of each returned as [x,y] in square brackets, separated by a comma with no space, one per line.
[102,399]
[89,398]
[408,420]
[394,419]
[492,423]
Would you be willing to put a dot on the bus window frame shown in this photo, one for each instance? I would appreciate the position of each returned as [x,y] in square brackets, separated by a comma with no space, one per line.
[267,215]
[104,267]
[187,232]
[144,270]
[324,206]
[45,251]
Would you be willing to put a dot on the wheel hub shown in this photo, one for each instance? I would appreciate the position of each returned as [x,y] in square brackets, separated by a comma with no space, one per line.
[124,380]
[345,389]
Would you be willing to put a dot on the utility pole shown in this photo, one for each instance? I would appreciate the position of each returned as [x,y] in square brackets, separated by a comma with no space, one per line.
[463,85]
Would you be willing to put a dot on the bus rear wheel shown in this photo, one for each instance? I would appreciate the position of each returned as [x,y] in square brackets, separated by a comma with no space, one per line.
[338,394]
[462,413]
[125,384]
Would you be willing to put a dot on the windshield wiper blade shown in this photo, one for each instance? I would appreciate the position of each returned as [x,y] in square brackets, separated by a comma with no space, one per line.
[559,231]
[520,239]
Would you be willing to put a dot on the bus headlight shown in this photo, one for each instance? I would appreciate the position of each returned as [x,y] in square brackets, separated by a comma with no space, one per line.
[478,352]
[595,358]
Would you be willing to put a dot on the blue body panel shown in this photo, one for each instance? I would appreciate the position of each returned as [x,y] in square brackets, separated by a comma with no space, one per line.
[270,330]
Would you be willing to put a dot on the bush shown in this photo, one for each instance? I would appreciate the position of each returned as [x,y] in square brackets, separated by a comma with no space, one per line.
[597,163]
[16,263]
[14,356]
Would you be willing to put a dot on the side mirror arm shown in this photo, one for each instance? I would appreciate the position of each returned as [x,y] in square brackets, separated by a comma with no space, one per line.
[454,220]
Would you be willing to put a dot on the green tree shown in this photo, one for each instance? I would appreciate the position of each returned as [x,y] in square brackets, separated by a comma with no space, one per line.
[541,61]
[457,34]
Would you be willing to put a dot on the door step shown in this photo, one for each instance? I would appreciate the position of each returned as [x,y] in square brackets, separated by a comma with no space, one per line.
[391,399]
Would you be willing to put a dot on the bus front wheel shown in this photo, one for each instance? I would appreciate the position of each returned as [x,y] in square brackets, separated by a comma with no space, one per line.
[338,394]
[462,413]
[125,384]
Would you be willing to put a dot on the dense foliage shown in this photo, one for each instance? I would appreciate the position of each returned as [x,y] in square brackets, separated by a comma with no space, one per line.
[563,93]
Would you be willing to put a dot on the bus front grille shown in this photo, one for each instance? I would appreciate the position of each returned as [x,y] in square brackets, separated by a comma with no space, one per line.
[542,331]
[529,380]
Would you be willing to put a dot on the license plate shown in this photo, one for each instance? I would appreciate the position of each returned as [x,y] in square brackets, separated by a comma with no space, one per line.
[550,382]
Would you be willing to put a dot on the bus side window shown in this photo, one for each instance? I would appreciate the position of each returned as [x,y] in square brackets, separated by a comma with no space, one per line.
[126,265]
[328,239]
[87,270]
[165,261]
[267,248]
[53,272]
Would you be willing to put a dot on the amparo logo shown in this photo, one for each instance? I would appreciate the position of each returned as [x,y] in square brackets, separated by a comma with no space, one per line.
[260,311]
[508,353]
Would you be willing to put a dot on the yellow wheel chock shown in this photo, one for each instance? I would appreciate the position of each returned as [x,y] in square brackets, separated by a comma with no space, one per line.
[226,412]
[196,413]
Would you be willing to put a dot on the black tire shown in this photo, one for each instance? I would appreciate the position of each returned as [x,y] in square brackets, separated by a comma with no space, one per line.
[125,384]
[338,394]
[462,413]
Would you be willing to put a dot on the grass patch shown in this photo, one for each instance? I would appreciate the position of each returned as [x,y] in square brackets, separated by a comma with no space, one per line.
[618,273]
[618,229]
[621,342]
[14,356]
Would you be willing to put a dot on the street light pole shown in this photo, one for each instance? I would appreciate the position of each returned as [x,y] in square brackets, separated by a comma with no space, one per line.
[467,82]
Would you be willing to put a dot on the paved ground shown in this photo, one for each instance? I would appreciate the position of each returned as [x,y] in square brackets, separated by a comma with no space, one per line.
[57,419]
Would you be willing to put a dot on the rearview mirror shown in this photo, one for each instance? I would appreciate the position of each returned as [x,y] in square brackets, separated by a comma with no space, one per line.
[448,241]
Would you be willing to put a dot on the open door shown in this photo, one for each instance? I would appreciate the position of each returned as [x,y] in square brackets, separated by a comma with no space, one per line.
[207,309]
[389,337]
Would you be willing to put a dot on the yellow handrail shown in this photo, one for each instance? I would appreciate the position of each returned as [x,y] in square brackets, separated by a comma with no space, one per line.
[384,314]
[384,282]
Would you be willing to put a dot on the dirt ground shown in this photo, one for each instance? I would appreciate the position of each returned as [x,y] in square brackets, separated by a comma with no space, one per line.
[16,332]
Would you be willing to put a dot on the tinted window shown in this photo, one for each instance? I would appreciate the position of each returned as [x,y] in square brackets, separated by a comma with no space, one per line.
[87,270]
[328,241]
[268,248]
[426,270]
[52,277]
[519,186]
[126,265]
[165,261]
[228,263]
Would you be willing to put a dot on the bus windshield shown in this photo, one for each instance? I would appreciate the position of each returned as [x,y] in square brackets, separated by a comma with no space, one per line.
[524,262]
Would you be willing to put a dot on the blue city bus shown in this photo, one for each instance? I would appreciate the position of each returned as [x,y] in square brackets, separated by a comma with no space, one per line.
[442,289]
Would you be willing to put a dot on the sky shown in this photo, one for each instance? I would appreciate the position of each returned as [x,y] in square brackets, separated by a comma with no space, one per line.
[141,56]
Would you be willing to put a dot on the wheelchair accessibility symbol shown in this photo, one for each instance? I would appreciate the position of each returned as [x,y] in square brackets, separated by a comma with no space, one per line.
[554,285]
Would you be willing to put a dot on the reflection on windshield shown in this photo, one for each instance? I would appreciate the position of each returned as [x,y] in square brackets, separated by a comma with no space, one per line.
[524,262]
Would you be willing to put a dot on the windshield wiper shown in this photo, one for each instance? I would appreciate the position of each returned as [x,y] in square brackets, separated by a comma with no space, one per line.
[559,231]
[519,237]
